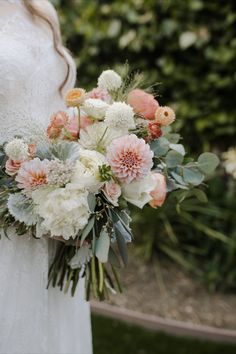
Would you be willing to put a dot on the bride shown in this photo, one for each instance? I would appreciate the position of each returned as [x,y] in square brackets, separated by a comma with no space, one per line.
[35,71]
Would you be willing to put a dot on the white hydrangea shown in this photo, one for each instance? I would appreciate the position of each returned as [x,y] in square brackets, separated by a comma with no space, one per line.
[95,108]
[109,80]
[65,211]
[98,136]
[17,149]
[120,116]
[86,174]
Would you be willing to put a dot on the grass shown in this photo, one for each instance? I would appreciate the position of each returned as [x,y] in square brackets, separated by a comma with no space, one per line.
[115,337]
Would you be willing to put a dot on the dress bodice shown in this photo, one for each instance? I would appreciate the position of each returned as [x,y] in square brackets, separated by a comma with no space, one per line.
[31,72]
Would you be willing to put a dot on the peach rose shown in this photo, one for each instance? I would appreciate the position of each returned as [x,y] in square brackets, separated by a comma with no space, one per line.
[12,167]
[143,103]
[160,190]
[58,121]
[112,192]
[75,97]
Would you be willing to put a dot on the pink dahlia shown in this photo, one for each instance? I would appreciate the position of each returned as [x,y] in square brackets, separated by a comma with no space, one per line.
[32,174]
[130,158]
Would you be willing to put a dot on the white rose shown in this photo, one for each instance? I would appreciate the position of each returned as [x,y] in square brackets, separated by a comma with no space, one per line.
[86,173]
[109,80]
[138,193]
[64,211]
[95,108]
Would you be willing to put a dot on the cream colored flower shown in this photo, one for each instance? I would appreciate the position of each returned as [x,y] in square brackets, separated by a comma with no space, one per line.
[86,173]
[120,116]
[95,108]
[64,211]
[17,150]
[109,80]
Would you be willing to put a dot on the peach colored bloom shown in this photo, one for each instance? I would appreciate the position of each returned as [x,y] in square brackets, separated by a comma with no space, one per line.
[58,121]
[164,116]
[112,192]
[85,121]
[75,97]
[130,158]
[154,131]
[100,94]
[32,174]
[12,167]
[32,150]
[143,103]
[159,193]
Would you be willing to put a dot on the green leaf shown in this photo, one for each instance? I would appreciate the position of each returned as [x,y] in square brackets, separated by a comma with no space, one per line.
[201,196]
[91,201]
[179,148]
[173,159]
[178,178]
[160,146]
[102,246]
[192,176]
[207,162]
[113,258]
[121,242]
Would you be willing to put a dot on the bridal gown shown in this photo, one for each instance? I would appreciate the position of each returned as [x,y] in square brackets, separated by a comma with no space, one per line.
[33,319]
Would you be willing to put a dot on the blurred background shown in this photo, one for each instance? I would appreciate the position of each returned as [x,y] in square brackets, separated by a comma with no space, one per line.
[189,48]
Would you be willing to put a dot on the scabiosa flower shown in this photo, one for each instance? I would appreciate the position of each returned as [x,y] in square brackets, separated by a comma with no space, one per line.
[109,80]
[32,174]
[120,116]
[164,116]
[100,94]
[154,131]
[17,149]
[130,158]
[95,108]
[59,173]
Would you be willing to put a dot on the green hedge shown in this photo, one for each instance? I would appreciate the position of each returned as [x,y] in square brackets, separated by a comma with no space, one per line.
[188,46]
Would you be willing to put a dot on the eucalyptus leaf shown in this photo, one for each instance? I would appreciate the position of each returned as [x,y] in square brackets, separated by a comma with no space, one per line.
[207,162]
[113,258]
[160,146]
[178,178]
[173,159]
[87,230]
[179,148]
[192,176]
[102,246]
[121,242]
[91,202]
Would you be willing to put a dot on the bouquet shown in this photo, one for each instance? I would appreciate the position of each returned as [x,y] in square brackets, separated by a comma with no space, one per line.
[113,147]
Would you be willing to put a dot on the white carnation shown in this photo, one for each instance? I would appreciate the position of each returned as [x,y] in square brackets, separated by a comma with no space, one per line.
[17,149]
[138,193]
[86,173]
[120,116]
[95,108]
[109,80]
[98,136]
[64,211]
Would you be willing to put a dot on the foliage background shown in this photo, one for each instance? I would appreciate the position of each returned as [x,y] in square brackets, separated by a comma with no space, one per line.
[189,47]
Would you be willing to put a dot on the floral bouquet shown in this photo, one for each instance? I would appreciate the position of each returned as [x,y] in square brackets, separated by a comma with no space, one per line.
[112,148]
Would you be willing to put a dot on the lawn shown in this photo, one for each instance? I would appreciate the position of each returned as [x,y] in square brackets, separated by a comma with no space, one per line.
[115,337]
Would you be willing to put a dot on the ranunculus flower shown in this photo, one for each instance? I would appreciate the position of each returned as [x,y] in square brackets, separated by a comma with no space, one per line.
[154,131]
[158,194]
[143,103]
[112,192]
[164,116]
[100,94]
[75,97]
[12,167]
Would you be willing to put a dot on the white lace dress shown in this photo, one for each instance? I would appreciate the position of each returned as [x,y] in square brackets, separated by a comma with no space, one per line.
[33,319]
